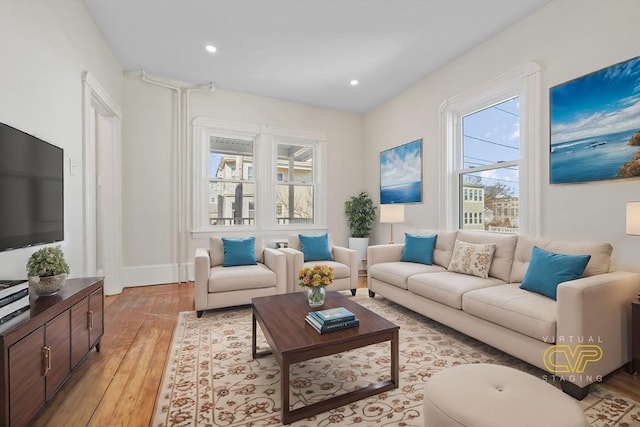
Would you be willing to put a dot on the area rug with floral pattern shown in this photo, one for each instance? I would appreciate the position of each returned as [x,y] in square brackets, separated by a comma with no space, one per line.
[211,379]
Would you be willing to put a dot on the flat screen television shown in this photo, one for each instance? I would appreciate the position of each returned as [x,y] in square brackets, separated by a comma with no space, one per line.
[31,190]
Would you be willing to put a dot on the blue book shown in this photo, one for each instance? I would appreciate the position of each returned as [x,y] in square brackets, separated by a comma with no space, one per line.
[333,315]
[332,327]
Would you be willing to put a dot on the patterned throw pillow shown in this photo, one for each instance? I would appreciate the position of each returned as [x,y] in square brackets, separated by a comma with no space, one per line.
[473,259]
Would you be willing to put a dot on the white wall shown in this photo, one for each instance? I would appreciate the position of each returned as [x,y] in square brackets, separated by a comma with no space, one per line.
[567,39]
[153,244]
[45,46]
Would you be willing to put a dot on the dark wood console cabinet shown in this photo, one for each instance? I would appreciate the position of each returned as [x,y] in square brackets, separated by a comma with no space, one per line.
[39,349]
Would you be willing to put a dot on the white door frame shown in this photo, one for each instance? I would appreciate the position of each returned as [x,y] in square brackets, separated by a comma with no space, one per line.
[94,96]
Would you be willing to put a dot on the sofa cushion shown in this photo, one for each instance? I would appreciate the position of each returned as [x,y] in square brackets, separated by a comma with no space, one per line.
[447,287]
[471,258]
[522,311]
[548,269]
[239,251]
[315,247]
[598,264]
[443,250]
[503,255]
[396,273]
[418,248]
[216,250]
[223,279]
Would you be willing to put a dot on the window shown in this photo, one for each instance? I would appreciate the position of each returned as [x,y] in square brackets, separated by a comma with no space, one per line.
[490,134]
[295,194]
[490,159]
[257,177]
[231,181]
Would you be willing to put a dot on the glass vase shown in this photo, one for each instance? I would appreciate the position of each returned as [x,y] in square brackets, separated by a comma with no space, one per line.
[316,296]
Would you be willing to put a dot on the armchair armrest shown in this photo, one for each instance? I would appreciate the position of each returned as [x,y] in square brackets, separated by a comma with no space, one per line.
[377,254]
[295,260]
[348,257]
[597,310]
[201,278]
[277,262]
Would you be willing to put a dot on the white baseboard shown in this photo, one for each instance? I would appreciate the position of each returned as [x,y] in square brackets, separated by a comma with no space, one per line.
[157,274]
[150,275]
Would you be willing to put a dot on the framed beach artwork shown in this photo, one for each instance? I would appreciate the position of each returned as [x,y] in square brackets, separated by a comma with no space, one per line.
[595,125]
[401,174]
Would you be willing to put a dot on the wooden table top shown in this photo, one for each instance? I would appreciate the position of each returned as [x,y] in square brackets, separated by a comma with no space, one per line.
[283,318]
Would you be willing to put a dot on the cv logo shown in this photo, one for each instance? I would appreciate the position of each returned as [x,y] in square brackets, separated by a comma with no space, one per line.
[565,358]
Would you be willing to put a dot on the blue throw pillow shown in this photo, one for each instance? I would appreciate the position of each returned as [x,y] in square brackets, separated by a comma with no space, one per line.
[418,248]
[547,270]
[315,248]
[239,251]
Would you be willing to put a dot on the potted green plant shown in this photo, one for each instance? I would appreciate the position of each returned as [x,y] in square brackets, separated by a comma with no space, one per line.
[47,270]
[360,216]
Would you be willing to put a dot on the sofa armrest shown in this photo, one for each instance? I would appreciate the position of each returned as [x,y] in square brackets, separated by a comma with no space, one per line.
[348,257]
[376,254]
[201,278]
[277,262]
[597,310]
[295,260]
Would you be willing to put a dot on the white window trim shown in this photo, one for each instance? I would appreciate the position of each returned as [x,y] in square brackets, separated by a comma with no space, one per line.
[523,82]
[265,140]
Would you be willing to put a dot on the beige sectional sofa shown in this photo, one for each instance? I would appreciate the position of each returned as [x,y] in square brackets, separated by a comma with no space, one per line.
[589,320]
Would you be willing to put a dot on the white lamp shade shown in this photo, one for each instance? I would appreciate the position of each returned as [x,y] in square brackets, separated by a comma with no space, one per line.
[390,214]
[633,218]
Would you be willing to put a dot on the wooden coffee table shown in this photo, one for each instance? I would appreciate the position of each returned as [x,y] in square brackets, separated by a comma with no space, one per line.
[292,340]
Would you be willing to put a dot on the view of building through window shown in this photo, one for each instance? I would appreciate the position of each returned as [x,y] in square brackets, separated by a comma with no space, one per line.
[295,186]
[231,184]
[489,180]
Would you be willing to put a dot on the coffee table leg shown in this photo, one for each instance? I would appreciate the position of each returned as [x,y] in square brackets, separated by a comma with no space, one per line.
[395,356]
[284,391]
[253,335]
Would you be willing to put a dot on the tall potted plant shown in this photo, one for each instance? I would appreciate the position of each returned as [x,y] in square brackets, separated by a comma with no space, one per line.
[360,216]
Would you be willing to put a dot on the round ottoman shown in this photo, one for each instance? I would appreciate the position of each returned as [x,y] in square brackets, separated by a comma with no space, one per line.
[482,395]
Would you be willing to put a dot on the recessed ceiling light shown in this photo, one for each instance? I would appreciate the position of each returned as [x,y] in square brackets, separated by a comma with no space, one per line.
[353,82]
[210,48]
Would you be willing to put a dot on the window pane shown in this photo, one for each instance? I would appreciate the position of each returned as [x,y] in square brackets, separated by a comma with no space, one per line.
[294,204]
[230,159]
[295,163]
[492,135]
[495,204]
[231,203]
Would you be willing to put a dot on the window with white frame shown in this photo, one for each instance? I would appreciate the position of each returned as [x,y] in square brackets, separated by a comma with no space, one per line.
[296,186]
[250,176]
[492,137]
[231,181]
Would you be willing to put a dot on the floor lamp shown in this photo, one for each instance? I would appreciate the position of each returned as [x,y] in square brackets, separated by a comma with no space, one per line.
[391,214]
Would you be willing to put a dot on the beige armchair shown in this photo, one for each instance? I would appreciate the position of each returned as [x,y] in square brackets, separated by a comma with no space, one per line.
[218,286]
[344,264]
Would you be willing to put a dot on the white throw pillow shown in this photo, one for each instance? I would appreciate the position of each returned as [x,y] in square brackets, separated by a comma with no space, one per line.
[473,259]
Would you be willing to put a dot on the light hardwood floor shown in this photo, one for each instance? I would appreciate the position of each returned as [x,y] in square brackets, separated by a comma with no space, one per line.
[118,386]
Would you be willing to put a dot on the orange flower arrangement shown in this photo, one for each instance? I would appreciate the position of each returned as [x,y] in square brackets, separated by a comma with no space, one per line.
[316,276]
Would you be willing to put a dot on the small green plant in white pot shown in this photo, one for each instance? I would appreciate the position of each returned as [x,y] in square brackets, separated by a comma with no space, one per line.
[47,270]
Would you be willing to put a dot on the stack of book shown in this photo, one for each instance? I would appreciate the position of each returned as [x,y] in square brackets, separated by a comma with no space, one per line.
[14,298]
[332,319]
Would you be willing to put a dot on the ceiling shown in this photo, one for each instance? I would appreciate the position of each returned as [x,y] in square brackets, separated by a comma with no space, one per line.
[305,51]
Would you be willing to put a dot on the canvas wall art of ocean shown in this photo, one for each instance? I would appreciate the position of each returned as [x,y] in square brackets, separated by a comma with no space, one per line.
[404,193]
[591,159]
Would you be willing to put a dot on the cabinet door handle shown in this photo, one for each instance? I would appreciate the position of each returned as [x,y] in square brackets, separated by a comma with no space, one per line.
[46,360]
[90,319]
